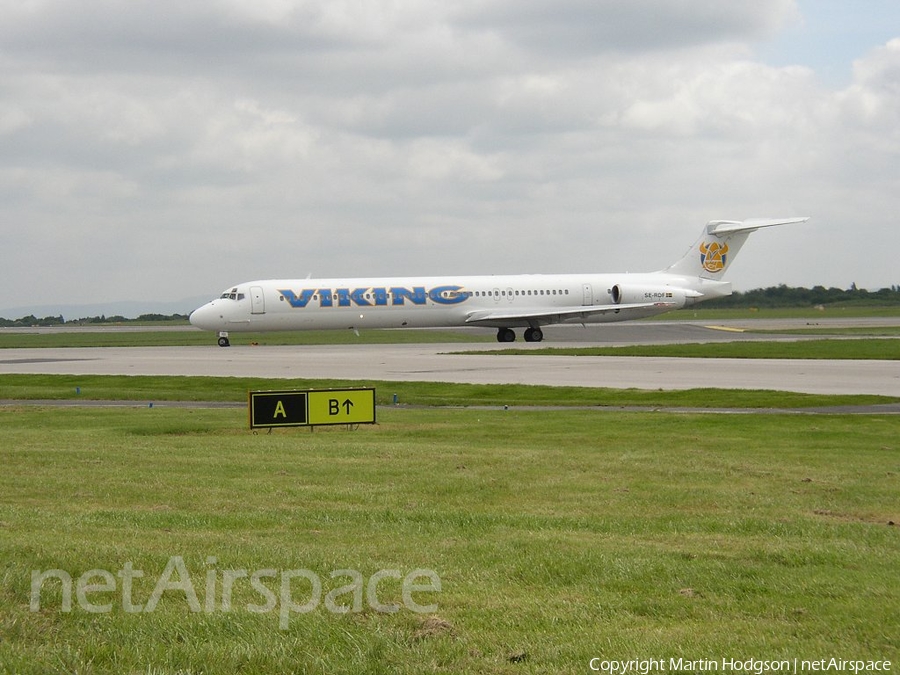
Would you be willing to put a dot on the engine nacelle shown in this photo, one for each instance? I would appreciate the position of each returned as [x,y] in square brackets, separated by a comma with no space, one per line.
[667,295]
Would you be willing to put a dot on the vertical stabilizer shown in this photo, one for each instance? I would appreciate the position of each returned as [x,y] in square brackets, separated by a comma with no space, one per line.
[712,254]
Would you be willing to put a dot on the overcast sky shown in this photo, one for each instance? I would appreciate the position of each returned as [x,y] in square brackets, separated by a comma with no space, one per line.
[164,150]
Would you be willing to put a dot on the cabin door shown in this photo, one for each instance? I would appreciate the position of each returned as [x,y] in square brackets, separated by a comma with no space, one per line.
[257,300]
[588,298]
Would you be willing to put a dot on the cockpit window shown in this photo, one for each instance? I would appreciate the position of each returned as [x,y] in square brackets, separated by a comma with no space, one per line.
[232,295]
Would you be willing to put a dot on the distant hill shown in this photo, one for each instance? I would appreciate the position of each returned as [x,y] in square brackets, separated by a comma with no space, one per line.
[130,310]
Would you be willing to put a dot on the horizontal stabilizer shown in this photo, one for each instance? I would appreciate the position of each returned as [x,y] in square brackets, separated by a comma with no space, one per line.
[718,245]
[719,227]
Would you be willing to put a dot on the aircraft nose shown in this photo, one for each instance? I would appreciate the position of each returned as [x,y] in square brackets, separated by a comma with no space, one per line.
[206,317]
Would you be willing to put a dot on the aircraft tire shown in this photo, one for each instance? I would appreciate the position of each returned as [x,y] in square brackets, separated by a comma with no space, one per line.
[506,335]
[223,342]
[533,335]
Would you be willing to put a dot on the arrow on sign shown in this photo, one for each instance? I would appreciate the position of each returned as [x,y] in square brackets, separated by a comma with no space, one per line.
[353,406]
[334,406]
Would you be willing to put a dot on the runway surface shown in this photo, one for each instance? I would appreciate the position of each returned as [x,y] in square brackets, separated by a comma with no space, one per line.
[434,363]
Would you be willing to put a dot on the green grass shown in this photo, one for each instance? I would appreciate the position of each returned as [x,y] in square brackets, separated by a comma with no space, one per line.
[557,536]
[175,388]
[830,312]
[880,349]
[850,331]
[175,338]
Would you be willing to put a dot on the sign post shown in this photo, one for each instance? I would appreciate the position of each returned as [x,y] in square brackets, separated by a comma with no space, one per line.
[310,408]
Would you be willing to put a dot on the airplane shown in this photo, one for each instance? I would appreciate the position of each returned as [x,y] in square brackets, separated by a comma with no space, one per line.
[504,302]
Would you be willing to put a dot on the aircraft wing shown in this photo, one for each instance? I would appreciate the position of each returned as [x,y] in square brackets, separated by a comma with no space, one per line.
[546,316]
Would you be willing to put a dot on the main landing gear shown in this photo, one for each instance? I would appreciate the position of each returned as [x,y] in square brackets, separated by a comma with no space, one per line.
[530,335]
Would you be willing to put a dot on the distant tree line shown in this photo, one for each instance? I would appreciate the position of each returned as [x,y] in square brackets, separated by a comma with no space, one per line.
[31,320]
[817,296]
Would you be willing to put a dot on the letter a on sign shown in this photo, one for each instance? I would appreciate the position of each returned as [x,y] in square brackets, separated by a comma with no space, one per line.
[277,409]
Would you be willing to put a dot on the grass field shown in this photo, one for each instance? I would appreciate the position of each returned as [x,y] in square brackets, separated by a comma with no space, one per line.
[831,312]
[848,331]
[110,337]
[542,538]
[234,389]
[873,348]
[556,537]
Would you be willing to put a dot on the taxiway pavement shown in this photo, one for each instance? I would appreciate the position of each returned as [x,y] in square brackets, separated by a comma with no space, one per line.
[436,363]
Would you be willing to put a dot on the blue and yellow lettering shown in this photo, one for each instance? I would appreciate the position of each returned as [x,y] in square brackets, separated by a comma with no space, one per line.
[381,297]
[359,297]
[447,295]
[416,295]
[305,296]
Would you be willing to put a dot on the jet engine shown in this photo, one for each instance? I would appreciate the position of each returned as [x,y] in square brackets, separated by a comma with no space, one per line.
[628,295]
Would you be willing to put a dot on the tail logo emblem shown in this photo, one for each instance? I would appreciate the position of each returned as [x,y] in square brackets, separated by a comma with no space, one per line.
[713,256]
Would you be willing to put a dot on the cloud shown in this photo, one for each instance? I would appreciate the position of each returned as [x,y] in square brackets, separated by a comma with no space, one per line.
[590,27]
[164,150]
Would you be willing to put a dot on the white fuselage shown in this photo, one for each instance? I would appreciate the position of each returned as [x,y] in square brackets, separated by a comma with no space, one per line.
[435,302]
[503,302]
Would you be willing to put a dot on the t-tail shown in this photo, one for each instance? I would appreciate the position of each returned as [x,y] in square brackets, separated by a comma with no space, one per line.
[712,254]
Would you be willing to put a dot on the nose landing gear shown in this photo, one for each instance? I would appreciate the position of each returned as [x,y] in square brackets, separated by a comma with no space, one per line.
[223,339]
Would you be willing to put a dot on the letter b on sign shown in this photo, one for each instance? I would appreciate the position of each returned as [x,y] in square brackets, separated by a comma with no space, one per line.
[346,406]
